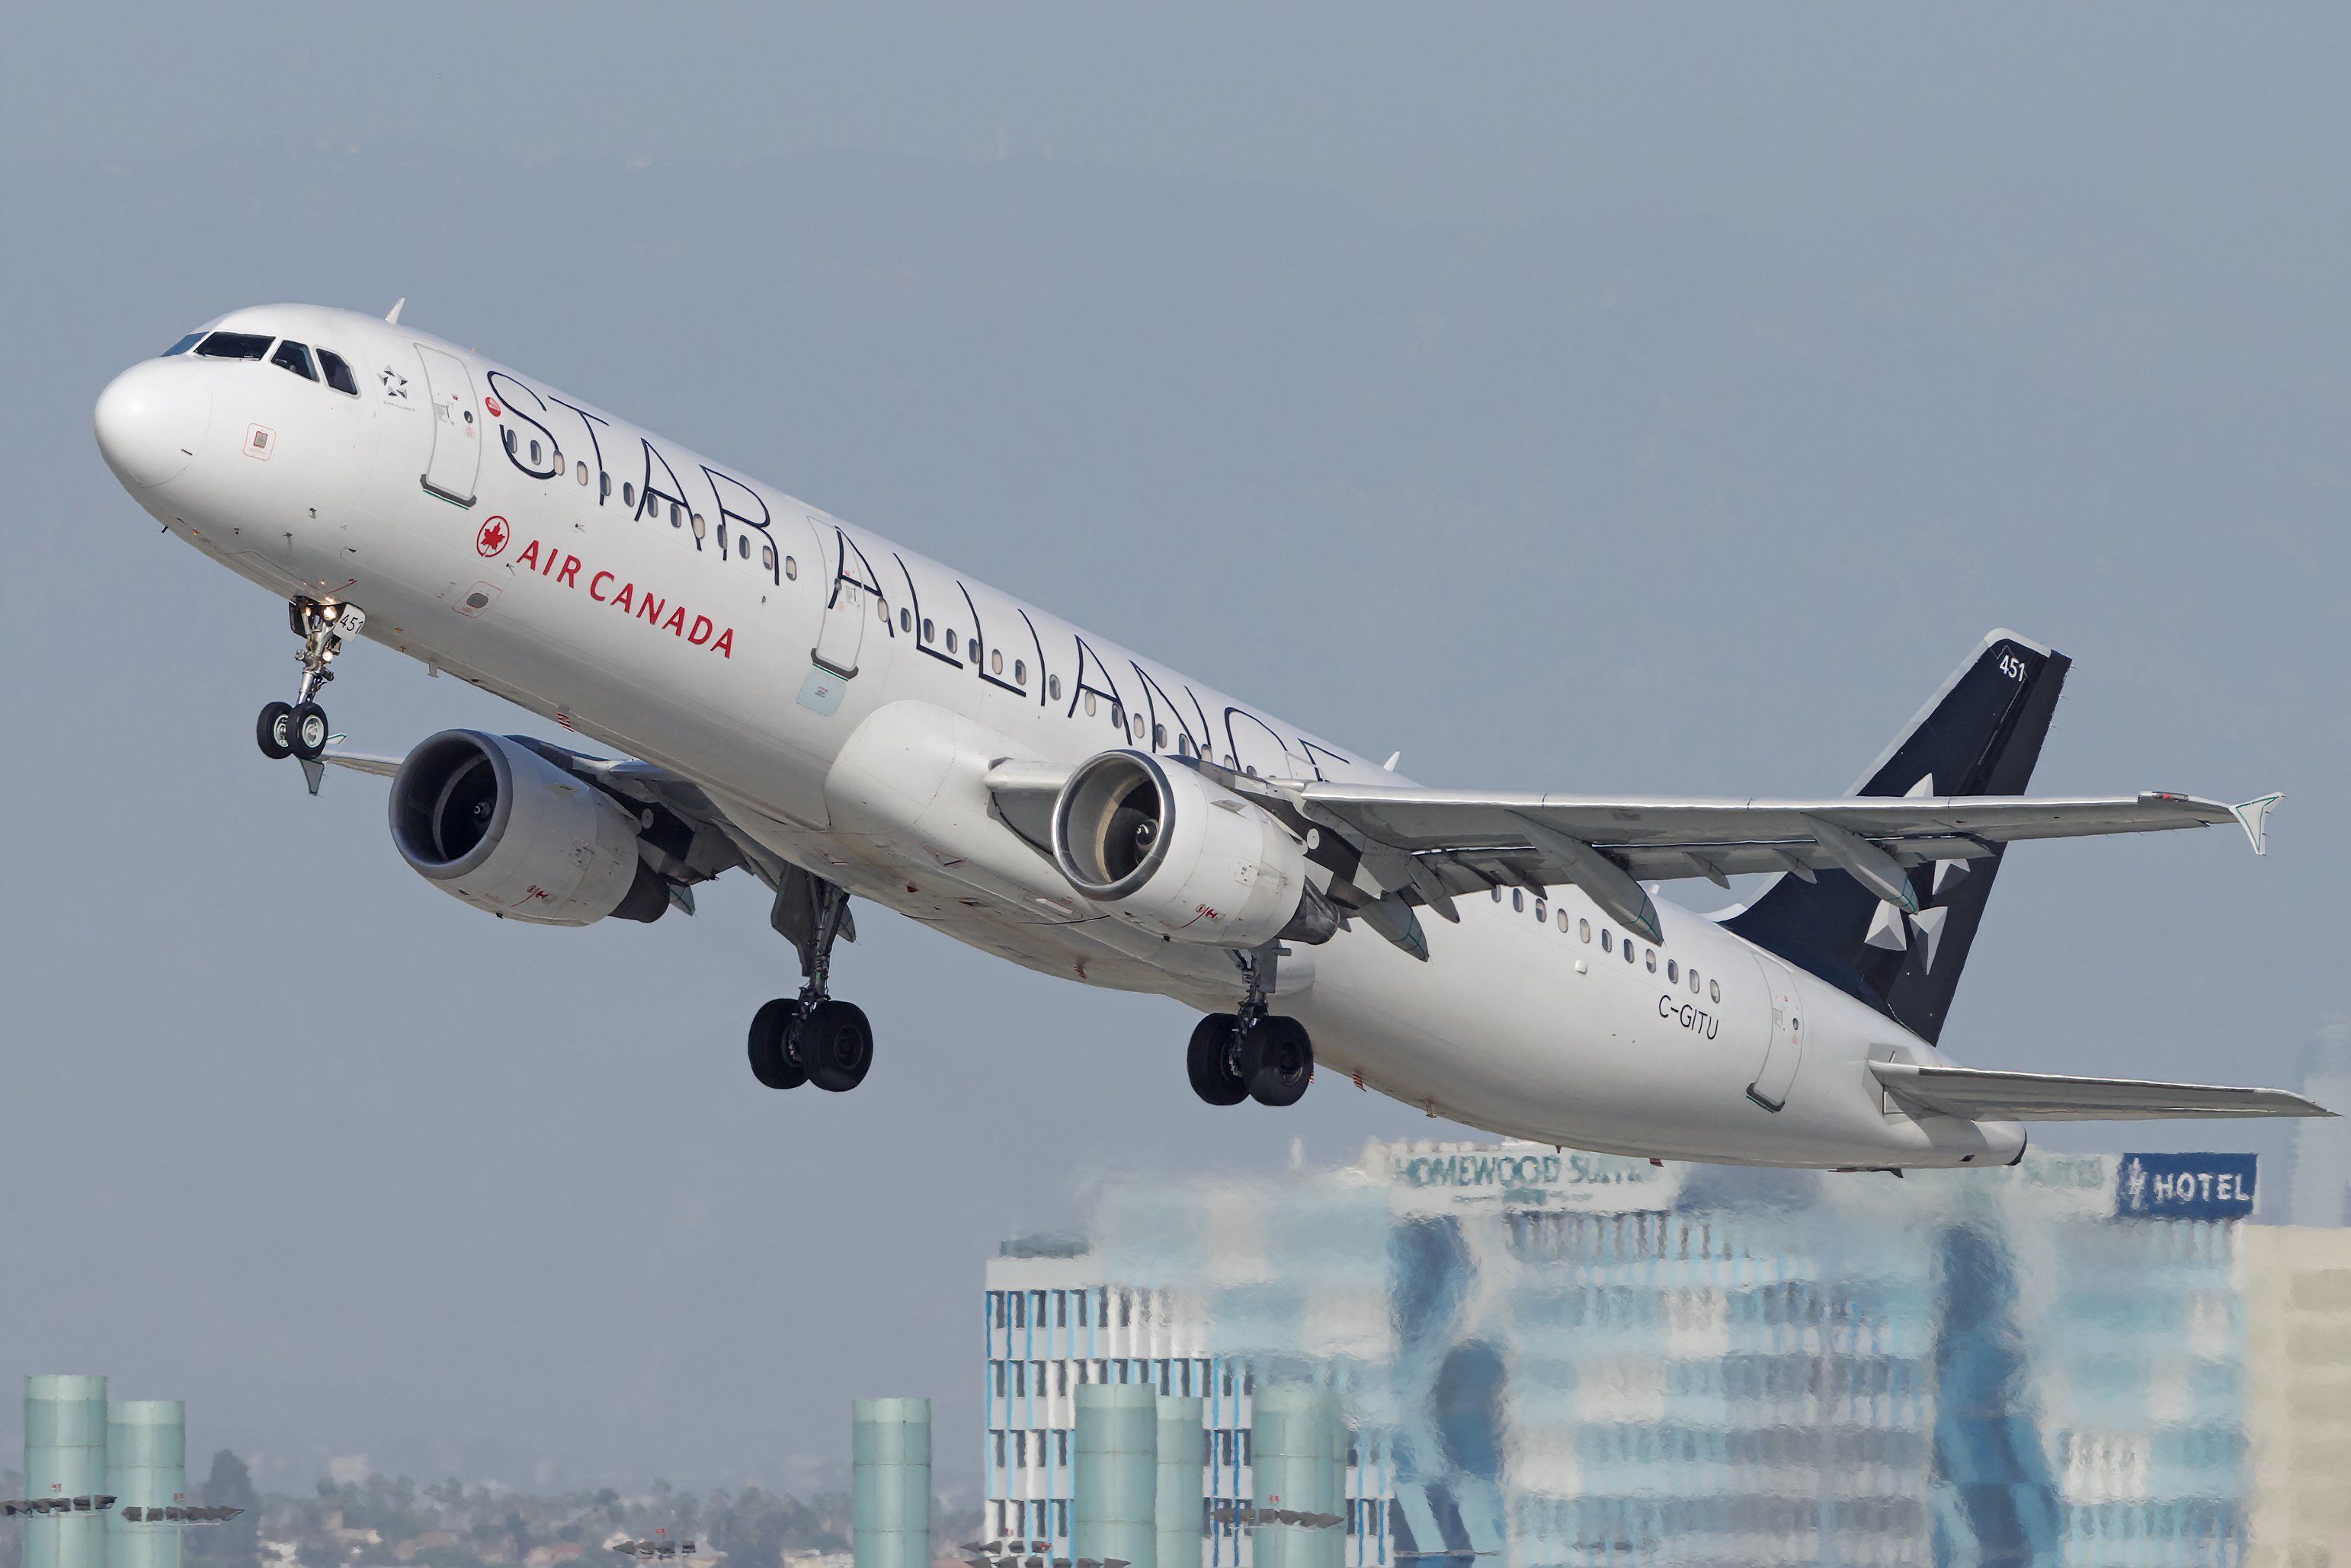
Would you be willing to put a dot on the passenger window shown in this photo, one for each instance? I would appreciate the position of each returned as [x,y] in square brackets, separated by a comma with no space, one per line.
[1714,990]
[905,621]
[1650,956]
[1628,949]
[1090,704]
[1158,737]
[295,357]
[584,475]
[1020,672]
[181,346]
[743,552]
[1694,985]
[881,611]
[603,489]
[1517,899]
[1542,912]
[995,661]
[1583,930]
[930,630]
[1562,922]
[1495,893]
[629,494]
[1673,973]
[232,346]
[534,458]
[1053,688]
[791,569]
[950,640]
[677,515]
[338,375]
[1607,940]
[768,557]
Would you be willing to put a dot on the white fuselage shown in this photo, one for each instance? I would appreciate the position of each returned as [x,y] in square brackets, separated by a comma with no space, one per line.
[674,616]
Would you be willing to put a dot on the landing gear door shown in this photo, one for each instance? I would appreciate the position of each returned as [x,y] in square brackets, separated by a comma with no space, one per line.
[1785,1052]
[848,601]
[457,461]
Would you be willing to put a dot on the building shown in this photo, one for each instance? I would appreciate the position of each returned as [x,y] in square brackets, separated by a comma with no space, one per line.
[1555,1357]
[2298,1393]
[2322,1146]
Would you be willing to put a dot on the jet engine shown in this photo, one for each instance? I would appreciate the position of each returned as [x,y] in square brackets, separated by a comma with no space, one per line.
[1180,855]
[487,820]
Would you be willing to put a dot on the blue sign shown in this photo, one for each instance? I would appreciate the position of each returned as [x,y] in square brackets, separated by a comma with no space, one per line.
[2184,1186]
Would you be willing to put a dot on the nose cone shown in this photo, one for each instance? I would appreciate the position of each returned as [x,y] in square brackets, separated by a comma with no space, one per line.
[151,421]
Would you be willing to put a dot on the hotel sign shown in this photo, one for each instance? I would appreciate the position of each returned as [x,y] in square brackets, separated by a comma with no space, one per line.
[2184,1186]
[1528,1175]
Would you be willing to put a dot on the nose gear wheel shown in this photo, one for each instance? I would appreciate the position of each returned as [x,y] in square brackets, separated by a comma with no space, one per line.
[300,729]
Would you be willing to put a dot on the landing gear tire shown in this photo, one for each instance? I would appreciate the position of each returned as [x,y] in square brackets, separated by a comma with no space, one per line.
[1213,1060]
[1277,1060]
[275,730]
[773,1062]
[306,735]
[836,1045]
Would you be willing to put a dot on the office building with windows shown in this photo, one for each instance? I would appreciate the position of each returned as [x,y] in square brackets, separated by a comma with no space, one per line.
[1555,1357]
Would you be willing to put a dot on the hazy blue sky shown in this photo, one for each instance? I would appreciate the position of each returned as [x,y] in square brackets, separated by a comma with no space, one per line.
[1660,402]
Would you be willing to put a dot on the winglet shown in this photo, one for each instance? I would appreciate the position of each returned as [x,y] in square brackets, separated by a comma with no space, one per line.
[2253,816]
[392,315]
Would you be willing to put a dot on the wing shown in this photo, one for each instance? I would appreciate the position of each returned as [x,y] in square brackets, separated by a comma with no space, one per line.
[1982,1096]
[361,762]
[1443,843]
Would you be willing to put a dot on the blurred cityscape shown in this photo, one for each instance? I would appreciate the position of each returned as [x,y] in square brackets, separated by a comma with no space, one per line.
[1504,1351]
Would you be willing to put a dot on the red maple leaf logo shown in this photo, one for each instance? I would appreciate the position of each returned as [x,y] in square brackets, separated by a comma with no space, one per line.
[493,537]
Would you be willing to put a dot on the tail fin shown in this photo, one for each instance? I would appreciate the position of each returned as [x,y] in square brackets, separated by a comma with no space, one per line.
[1980,735]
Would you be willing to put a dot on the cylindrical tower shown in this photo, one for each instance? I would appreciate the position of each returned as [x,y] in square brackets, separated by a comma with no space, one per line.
[1291,1438]
[65,1456]
[1117,1474]
[1181,1466]
[146,1467]
[891,1450]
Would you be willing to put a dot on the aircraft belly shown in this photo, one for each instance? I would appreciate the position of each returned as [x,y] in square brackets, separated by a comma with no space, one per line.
[1479,1031]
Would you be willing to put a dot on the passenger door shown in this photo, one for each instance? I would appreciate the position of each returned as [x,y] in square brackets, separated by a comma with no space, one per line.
[841,628]
[1783,1051]
[457,461]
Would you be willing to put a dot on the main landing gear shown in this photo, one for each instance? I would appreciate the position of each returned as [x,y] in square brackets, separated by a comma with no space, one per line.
[811,1039]
[299,728]
[1248,1055]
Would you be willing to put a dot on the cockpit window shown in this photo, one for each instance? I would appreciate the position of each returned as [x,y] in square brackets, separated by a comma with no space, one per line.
[338,375]
[181,346]
[232,346]
[295,357]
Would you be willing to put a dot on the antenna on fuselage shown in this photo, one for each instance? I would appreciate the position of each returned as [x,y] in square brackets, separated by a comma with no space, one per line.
[392,315]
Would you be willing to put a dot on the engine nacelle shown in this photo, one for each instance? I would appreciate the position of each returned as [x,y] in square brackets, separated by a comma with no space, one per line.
[486,818]
[1180,855]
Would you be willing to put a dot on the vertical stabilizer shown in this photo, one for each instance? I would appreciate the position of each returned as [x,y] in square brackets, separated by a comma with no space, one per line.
[1980,735]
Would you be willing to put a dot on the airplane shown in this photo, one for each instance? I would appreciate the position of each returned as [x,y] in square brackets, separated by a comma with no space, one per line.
[840,718]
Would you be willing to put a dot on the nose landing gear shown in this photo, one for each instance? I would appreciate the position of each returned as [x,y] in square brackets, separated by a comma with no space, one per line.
[811,1039]
[299,728]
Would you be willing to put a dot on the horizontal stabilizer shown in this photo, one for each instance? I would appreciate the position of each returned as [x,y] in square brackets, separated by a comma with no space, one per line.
[1989,1096]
